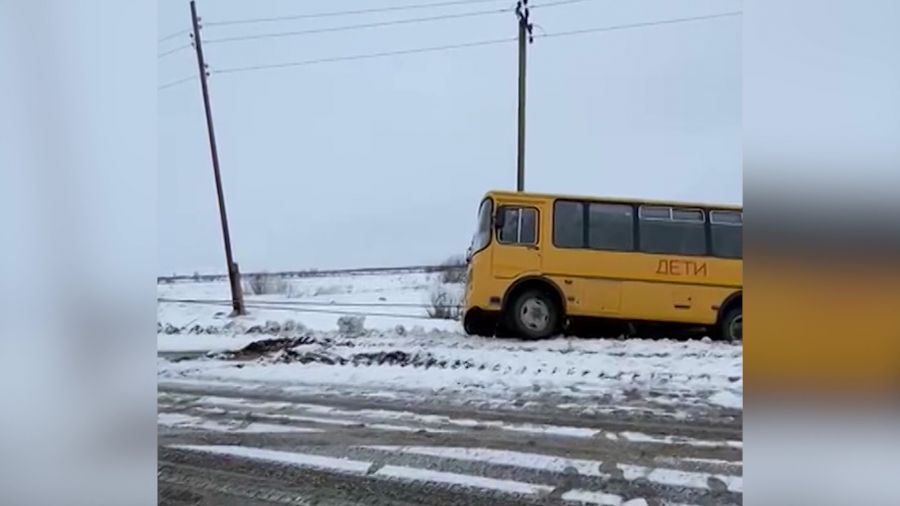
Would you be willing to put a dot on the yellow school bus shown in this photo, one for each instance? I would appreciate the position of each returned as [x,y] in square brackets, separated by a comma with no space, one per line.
[537,263]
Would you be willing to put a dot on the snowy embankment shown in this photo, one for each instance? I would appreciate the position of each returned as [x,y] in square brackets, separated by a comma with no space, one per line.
[401,352]
[387,301]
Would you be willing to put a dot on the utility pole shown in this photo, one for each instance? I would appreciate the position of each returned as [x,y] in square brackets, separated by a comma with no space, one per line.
[234,276]
[525,27]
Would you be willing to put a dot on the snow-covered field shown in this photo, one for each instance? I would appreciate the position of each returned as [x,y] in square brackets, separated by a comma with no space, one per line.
[316,303]
[402,352]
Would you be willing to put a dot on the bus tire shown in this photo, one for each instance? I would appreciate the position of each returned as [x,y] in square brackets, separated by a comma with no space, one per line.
[731,328]
[533,314]
[479,323]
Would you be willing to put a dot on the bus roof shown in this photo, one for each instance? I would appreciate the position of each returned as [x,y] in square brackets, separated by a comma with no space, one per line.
[512,195]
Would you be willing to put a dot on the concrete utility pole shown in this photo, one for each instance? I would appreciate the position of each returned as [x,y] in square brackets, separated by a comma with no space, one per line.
[234,275]
[525,27]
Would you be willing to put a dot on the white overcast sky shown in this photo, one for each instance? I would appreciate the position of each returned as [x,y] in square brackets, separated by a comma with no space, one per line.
[383,161]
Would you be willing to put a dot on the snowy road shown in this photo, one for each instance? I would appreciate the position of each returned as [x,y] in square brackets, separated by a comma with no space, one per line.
[681,380]
[288,406]
[268,447]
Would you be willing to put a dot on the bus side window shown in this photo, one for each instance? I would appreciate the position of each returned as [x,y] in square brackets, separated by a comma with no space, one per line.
[727,233]
[672,231]
[519,225]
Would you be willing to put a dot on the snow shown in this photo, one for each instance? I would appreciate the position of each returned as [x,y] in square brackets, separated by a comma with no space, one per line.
[639,437]
[699,460]
[600,498]
[312,419]
[362,467]
[586,467]
[502,457]
[727,399]
[466,480]
[181,343]
[599,367]
[678,478]
[556,430]
[352,417]
[666,376]
[322,414]
[293,458]
[405,428]
[238,402]
[376,292]
[179,420]
[217,405]
[592,497]
[346,423]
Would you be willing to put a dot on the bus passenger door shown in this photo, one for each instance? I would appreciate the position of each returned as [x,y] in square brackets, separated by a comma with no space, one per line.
[517,250]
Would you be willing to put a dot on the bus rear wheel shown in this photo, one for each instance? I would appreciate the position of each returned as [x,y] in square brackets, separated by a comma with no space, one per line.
[731,328]
[533,314]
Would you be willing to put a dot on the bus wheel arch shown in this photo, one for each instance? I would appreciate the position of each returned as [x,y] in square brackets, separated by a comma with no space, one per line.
[533,293]
[729,324]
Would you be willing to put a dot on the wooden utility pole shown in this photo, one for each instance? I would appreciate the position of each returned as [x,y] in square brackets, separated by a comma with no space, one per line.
[525,27]
[234,275]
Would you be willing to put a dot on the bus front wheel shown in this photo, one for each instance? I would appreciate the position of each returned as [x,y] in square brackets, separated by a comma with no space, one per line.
[533,314]
[479,323]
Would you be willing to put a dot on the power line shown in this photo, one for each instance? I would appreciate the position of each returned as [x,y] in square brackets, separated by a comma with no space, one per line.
[448,47]
[175,83]
[299,309]
[361,26]
[371,10]
[173,50]
[309,303]
[364,271]
[554,4]
[363,56]
[340,312]
[640,25]
[377,24]
[173,35]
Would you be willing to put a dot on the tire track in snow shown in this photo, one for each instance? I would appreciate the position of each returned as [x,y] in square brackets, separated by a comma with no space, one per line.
[636,421]
[323,414]
[440,468]
[604,493]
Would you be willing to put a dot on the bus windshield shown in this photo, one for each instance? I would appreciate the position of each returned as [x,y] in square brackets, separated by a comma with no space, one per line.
[483,231]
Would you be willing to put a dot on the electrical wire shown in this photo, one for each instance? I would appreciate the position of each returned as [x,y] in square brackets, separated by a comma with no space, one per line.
[173,35]
[175,83]
[371,10]
[309,303]
[338,312]
[377,24]
[230,70]
[173,50]
[639,25]
[556,3]
[301,309]
[364,271]
[360,26]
